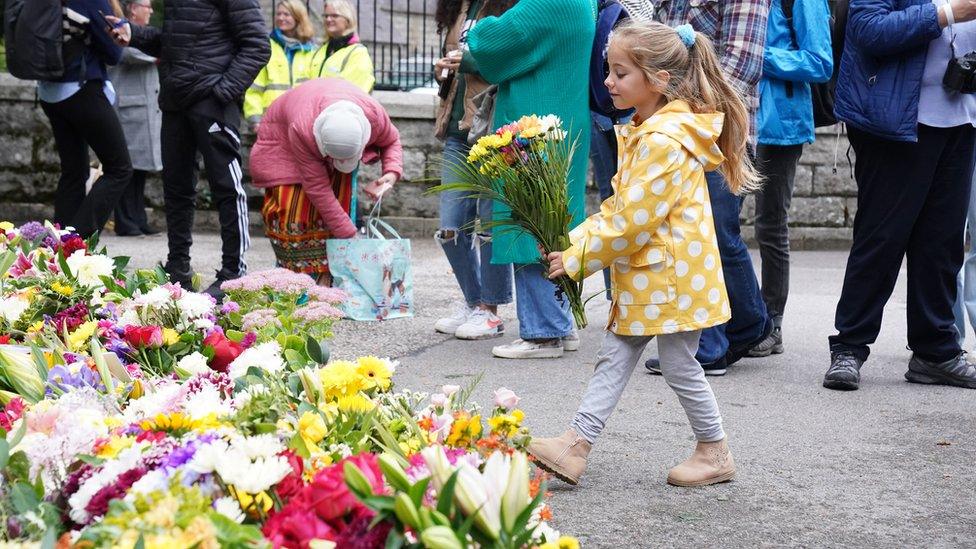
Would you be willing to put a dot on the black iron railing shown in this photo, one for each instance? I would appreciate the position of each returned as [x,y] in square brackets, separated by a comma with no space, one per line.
[401,38]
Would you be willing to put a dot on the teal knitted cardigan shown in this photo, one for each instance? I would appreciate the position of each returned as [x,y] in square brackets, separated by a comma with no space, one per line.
[538,52]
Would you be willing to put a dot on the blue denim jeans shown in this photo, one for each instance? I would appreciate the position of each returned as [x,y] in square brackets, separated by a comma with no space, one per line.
[468,252]
[966,295]
[603,156]
[749,317]
[540,314]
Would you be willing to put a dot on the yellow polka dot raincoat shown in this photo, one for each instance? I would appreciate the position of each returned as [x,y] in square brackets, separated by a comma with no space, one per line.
[656,232]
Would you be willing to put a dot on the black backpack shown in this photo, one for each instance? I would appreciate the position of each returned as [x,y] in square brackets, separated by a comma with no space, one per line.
[823,93]
[610,13]
[35,40]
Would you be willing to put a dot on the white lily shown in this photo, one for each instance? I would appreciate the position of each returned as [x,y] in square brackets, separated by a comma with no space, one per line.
[516,495]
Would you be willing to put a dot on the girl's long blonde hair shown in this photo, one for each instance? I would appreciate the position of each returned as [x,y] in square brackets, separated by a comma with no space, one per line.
[303,25]
[696,77]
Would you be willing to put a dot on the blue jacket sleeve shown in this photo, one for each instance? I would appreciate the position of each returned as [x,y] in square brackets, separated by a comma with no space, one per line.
[812,61]
[102,43]
[877,29]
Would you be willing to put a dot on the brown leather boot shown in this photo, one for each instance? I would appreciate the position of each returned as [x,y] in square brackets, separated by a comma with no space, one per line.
[710,464]
[564,456]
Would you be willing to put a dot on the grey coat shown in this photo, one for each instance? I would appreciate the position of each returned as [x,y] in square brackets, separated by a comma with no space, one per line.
[136,82]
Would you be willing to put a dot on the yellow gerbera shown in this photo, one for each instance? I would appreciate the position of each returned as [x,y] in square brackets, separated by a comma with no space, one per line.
[340,378]
[62,289]
[357,403]
[376,372]
[78,339]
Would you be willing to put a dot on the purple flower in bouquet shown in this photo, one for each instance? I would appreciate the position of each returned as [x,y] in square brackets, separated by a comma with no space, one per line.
[72,376]
[33,231]
[72,317]
[259,318]
[221,381]
[249,339]
[230,307]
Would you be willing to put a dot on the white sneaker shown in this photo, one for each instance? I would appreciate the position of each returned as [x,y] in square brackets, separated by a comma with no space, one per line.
[450,324]
[571,342]
[521,348]
[481,324]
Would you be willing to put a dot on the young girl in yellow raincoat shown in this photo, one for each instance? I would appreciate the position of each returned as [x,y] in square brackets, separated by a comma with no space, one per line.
[657,236]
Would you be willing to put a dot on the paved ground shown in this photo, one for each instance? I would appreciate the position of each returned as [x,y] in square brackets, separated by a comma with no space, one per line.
[893,464]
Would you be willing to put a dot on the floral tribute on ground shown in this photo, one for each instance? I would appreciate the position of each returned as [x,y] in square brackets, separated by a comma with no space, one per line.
[137,413]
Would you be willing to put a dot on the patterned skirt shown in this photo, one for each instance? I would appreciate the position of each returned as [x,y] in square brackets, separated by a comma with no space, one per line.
[295,228]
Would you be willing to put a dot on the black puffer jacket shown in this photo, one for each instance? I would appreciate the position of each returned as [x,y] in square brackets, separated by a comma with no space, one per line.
[208,50]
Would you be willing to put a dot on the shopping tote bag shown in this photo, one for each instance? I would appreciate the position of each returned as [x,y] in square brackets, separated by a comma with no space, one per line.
[374,270]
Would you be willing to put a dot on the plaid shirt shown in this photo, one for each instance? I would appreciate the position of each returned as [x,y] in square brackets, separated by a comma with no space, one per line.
[738,29]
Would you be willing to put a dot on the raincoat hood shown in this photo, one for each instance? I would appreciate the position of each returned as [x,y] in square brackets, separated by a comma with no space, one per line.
[698,133]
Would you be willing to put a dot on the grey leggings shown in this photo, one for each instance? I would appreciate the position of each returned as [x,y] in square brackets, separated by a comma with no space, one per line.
[614,365]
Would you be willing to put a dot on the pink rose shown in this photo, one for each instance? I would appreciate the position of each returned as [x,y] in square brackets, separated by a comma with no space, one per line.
[506,398]
[438,399]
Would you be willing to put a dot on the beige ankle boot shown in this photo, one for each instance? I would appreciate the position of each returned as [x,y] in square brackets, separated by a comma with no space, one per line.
[710,464]
[564,456]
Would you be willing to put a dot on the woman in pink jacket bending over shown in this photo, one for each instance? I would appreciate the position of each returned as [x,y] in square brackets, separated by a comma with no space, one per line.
[310,143]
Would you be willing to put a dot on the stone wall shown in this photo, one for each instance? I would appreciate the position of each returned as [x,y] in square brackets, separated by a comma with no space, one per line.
[822,214]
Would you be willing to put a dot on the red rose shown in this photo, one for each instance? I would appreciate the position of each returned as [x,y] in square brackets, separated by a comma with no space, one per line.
[71,244]
[291,485]
[144,336]
[224,350]
[4,339]
[330,496]
[295,525]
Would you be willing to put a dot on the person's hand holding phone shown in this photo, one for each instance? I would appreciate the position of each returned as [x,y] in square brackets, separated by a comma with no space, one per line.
[120,29]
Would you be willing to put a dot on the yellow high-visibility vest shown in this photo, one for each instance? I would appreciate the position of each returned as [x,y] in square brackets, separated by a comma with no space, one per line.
[277,77]
[351,63]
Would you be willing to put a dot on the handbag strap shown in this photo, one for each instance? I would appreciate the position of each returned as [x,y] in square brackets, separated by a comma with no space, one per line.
[373,224]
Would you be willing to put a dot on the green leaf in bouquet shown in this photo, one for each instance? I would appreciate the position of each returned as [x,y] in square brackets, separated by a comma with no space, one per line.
[394,540]
[445,499]
[235,335]
[265,428]
[297,443]
[50,539]
[314,351]
[18,467]
[18,435]
[7,259]
[294,358]
[256,373]
[63,263]
[23,497]
[417,491]
[121,262]
[39,361]
[232,534]
[140,543]
[89,459]
[4,452]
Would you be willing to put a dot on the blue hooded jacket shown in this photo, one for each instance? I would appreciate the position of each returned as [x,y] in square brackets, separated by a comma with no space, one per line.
[789,65]
[881,71]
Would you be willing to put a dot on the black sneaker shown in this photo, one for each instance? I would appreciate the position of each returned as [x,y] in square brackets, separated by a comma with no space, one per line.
[734,355]
[214,291]
[181,274]
[844,373]
[772,345]
[717,368]
[957,372]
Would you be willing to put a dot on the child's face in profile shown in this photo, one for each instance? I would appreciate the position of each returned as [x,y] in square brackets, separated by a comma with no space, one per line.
[628,84]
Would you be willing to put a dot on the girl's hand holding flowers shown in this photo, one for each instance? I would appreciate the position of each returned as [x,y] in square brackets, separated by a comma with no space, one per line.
[556,268]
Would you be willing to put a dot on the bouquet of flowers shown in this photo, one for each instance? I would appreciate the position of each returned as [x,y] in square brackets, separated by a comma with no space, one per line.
[525,166]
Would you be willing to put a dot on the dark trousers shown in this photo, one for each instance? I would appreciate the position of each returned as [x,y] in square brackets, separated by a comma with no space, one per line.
[182,135]
[912,200]
[130,212]
[778,167]
[87,119]
[750,322]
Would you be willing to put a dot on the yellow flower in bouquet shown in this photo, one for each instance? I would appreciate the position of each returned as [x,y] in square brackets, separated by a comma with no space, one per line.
[357,403]
[506,425]
[312,428]
[78,339]
[340,378]
[376,372]
[62,288]
[170,336]
[564,542]
[464,430]
[114,445]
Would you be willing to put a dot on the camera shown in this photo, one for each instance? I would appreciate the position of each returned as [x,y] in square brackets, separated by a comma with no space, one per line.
[960,75]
